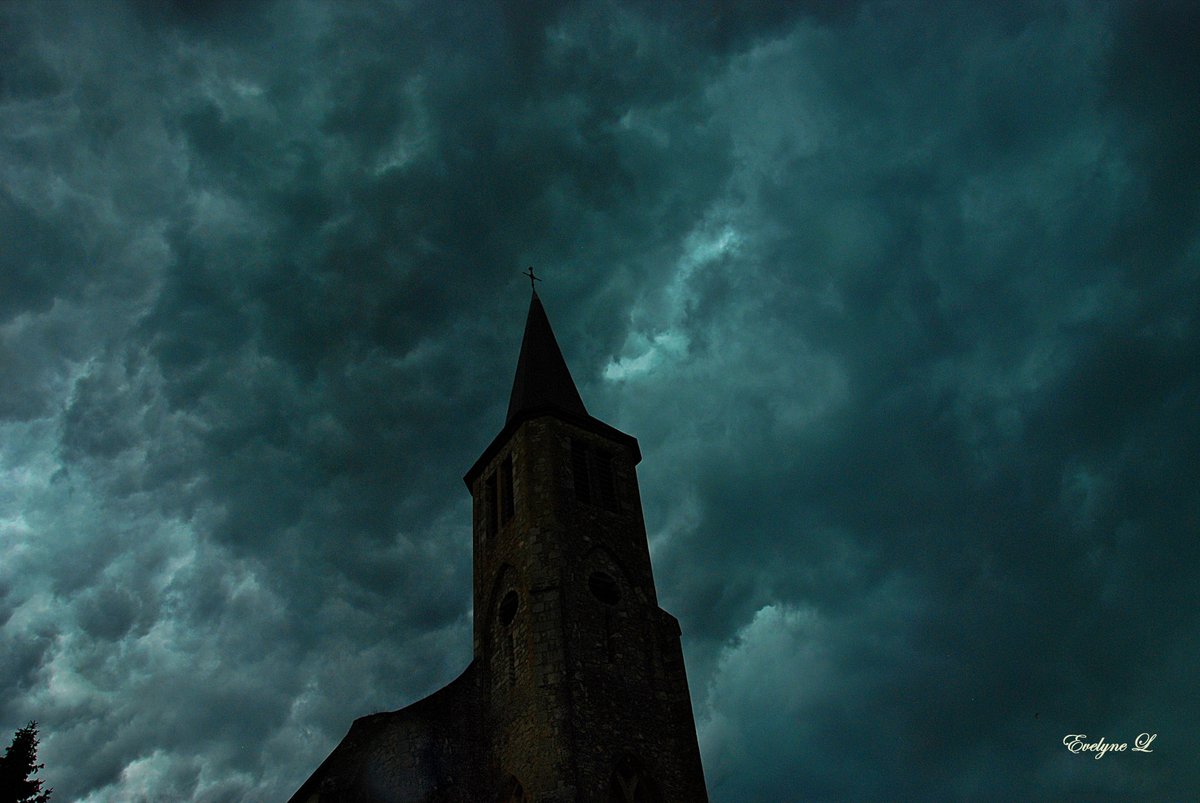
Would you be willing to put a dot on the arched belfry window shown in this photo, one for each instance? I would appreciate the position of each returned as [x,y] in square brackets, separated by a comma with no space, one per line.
[506,614]
[631,784]
[592,474]
[511,791]
[499,501]
[605,588]
[508,608]
[507,500]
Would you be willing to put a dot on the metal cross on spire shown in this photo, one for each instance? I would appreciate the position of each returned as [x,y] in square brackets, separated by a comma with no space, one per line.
[532,278]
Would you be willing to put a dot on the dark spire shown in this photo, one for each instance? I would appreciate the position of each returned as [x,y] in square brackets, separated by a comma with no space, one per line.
[542,379]
[544,385]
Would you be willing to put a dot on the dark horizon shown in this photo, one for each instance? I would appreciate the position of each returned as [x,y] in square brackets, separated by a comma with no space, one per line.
[899,302]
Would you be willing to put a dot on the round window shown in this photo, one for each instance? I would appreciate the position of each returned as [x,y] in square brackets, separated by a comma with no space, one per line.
[508,608]
[605,588]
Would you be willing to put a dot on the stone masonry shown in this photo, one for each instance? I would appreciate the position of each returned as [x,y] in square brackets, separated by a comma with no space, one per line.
[577,691]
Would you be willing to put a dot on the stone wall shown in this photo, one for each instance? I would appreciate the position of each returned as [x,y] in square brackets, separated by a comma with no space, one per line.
[577,693]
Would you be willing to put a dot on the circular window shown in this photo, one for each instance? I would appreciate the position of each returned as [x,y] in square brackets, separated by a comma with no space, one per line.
[508,608]
[604,587]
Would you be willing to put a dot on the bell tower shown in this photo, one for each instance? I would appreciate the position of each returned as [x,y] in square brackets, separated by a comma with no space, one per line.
[577,691]
[581,676]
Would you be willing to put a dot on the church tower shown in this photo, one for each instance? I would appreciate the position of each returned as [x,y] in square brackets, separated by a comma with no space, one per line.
[583,672]
[577,690]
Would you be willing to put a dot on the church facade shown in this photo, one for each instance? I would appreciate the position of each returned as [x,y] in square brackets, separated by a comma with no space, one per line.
[577,690]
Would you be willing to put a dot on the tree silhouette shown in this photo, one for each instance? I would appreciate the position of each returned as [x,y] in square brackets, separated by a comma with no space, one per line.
[16,767]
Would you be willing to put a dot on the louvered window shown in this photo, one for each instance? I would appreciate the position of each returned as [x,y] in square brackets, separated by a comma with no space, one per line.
[592,471]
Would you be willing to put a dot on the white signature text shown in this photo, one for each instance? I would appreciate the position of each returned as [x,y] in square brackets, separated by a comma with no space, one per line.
[1078,743]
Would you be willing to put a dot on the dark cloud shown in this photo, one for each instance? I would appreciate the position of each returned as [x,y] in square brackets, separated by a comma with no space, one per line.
[899,302]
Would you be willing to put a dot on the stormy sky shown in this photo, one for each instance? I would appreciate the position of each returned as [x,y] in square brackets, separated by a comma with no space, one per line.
[900,300]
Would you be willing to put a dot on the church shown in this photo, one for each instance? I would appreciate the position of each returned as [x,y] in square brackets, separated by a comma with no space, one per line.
[577,689]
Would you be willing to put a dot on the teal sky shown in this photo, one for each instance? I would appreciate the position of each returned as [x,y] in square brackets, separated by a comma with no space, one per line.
[900,300]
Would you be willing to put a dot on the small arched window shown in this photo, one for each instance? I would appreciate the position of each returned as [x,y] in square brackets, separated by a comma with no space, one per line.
[499,503]
[630,784]
[508,608]
[511,791]
[593,476]
[604,588]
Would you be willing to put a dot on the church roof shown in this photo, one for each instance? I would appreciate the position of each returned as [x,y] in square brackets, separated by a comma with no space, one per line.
[542,380]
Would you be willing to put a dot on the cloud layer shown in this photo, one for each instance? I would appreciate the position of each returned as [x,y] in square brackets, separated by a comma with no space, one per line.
[899,302]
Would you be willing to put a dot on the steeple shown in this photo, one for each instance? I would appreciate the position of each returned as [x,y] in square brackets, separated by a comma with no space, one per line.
[577,690]
[543,386]
[543,381]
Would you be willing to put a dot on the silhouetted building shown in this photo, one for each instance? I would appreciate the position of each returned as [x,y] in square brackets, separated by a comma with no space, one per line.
[577,691]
